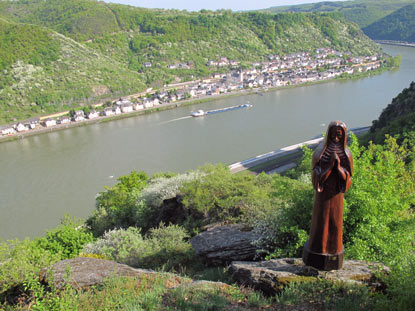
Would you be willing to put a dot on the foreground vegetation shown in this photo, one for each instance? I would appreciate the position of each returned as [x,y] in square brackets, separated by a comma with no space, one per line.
[131,226]
[146,222]
[59,54]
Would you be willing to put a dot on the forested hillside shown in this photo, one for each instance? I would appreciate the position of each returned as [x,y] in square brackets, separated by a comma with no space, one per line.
[44,72]
[398,26]
[397,119]
[362,12]
[121,49]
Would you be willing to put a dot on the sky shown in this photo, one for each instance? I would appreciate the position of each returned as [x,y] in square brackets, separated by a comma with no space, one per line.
[195,5]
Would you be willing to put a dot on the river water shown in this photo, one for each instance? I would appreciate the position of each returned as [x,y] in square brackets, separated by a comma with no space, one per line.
[43,177]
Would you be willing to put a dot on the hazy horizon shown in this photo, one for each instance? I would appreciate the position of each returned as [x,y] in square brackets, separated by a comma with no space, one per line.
[233,5]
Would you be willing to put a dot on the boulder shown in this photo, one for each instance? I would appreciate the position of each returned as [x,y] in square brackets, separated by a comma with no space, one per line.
[85,272]
[222,244]
[271,276]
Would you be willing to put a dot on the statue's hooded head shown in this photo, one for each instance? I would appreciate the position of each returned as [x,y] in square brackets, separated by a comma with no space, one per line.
[336,133]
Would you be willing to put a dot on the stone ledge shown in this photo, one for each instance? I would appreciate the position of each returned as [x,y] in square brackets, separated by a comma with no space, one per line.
[271,276]
[83,272]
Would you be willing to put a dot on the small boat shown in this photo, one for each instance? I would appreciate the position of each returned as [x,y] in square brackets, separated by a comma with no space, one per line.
[198,113]
[246,106]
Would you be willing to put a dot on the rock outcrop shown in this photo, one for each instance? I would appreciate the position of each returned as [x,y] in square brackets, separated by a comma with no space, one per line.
[222,244]
[84,272]
[271,276]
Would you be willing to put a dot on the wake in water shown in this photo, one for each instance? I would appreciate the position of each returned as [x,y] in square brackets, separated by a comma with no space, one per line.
[174,120]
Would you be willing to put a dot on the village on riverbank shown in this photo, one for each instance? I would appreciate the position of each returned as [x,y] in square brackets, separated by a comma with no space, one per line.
[275,72]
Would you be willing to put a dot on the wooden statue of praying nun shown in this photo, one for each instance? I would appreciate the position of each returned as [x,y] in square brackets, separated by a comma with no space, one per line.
[332,168]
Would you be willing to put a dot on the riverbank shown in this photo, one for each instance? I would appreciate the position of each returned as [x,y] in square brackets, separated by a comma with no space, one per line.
[398,43]
[186,102]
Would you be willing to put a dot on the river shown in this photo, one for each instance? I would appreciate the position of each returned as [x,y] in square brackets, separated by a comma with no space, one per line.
[43,177]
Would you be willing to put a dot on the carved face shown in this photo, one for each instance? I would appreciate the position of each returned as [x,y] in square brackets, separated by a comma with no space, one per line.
[336,134]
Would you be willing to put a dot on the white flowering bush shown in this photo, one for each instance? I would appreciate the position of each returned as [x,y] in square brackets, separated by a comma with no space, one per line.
[163,188]
[164,248]
[284,228]
[150,201]
[121,245]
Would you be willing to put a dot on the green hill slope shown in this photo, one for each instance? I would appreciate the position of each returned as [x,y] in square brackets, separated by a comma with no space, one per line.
[398,26]
[43,71]
[110,45]
[362,12]
[397,119]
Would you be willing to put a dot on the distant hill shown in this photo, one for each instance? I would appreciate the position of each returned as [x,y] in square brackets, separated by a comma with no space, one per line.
[57,54]
[362,12]
[397,119]
[398,26]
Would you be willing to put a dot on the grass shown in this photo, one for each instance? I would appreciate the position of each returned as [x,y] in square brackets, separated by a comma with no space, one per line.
[168,292]
[159,292]
[327,295]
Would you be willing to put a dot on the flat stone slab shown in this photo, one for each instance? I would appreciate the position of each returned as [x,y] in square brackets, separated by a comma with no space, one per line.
[85,272]
[223,244]
[271,276]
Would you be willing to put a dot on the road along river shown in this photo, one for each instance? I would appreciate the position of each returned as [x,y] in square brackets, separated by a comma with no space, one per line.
[43,177]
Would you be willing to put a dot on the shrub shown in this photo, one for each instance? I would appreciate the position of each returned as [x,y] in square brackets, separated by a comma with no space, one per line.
[283,230]
[21,261]
[150,201]
[220,196]
[378,220]
[163,248]
[115,206]
[66,240]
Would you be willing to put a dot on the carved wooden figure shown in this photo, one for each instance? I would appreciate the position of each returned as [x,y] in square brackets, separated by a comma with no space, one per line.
[332,168]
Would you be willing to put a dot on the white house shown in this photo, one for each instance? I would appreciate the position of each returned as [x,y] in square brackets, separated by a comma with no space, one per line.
[93,114]
[108,112]
[117,110]
[126,108]
[49,122]
[79,116]
[20,127]
[148,103]
[65,120]
[138,106]
[8,130]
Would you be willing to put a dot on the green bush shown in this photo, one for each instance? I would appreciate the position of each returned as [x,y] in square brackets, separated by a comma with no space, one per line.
[21,261]
[66,240]
[164,248]
[379,223]
[283,230]
[149,203]
[115,206]
[219,196]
